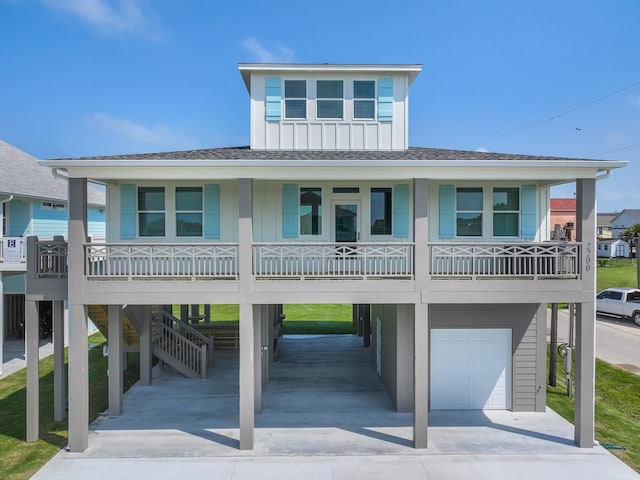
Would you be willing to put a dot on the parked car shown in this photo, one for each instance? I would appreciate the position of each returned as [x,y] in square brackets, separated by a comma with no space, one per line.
[621,302]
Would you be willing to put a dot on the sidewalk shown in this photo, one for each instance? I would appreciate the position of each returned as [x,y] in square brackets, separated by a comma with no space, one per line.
[14,357]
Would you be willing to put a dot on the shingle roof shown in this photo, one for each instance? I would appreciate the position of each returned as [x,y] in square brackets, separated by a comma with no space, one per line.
[246,153]
[21,175]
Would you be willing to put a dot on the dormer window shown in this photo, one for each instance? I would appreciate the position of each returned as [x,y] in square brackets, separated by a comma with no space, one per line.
[330,99]
[295,99]
[364,99]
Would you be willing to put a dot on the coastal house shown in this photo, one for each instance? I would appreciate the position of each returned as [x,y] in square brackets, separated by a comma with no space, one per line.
[448,252]
[33,202]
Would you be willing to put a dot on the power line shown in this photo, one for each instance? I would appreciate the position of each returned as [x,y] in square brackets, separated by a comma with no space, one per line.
[615,150]
[534,124]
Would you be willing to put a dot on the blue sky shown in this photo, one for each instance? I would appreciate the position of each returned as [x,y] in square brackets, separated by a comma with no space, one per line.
[544,77]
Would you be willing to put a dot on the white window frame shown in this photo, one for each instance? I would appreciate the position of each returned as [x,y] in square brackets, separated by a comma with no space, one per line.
[331,99]
[304,99]
[481,212]
[518,212]
[139,211]
[372,99]
[51,205]
[176,212]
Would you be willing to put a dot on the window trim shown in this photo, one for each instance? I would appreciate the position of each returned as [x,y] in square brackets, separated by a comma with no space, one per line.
[372,99]
[319,216]
[139,211]
[201,211]
[388,213]
[295,99]
[319,100]
[458,211]
[495,212]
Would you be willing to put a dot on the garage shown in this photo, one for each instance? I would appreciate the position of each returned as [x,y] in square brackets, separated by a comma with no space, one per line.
[471,369]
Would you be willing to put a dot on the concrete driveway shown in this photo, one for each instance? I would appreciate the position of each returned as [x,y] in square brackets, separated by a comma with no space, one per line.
[325,416]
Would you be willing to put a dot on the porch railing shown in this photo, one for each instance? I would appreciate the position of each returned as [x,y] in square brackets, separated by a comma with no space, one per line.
[491,260]
[132,261]
[51,258]
[333,260]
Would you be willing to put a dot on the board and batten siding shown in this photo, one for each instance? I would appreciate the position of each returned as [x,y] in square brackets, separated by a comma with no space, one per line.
[522,320]
[272,133]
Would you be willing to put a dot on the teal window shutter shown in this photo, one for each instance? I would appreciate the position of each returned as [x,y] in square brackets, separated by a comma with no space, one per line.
[401,211]
[212,211]
[385,99]
[273,103]
[447,205]
[128,212]
[290,210]
[528,223]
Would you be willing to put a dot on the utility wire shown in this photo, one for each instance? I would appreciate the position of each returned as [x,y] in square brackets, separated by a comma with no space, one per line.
[615,150]
[534,124]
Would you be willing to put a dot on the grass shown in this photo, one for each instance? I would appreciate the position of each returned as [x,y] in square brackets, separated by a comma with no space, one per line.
[617,408]
[20,460]
[307,319]
[617,273]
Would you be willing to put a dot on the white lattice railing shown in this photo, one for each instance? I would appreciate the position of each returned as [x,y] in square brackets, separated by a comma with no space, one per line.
[191,356]
[539,260]
[51,258]
[333,260]
[143,261]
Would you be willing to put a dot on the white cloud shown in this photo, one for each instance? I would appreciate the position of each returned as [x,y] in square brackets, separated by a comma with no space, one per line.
[482,149]
[110,16]
[281,53]
[158,135]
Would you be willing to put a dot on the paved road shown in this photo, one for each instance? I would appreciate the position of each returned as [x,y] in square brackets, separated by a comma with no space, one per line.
[617,341]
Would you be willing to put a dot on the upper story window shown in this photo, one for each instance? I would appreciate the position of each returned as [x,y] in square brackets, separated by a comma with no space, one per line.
[189,211]
[506,211]
[330,99]
[53,206]
[151,212]
[364,99]
[469,212]
[310,211]
[381,213]
[295,99]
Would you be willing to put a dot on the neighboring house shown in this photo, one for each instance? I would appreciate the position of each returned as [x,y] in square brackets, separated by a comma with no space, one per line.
[603,227]
[612,248]
[448,252]
[623,220]
[563,218]
[34,202]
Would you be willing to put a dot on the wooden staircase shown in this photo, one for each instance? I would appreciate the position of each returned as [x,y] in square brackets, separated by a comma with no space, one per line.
[186,352]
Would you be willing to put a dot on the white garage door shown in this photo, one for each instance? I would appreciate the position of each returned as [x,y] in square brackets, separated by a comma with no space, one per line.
[471,369]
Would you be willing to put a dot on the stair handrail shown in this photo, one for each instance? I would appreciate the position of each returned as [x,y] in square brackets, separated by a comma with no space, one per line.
[188,353]
[186,330]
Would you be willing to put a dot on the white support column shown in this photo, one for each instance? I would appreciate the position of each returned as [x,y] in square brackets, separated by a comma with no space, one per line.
[258,311]
[59,381]
[421,232]
[116,377]
[78,332]
[586,314]
[31,337]
[420,375]
[541,358]
[146,348]
[247,377]
[247,346]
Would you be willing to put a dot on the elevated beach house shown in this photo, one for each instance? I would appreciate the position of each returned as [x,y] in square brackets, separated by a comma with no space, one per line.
[447,251]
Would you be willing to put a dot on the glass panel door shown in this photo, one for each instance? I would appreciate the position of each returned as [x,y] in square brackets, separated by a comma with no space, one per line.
[346,221]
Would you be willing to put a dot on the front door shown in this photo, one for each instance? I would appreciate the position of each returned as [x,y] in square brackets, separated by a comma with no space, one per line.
[346,221]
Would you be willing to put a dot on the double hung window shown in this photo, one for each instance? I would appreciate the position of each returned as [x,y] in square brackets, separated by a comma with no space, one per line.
[188,211]
[295,99]
[469,212]
[330,98]
[506,212]
[364,103]
[151,212]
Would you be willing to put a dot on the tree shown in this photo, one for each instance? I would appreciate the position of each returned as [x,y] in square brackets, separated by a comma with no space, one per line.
[631,232]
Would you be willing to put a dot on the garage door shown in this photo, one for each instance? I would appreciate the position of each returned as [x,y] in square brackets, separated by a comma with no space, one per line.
[471,369]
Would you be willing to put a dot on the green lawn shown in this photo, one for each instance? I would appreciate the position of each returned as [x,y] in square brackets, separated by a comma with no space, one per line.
[617,273]
[617,406]
[20,460]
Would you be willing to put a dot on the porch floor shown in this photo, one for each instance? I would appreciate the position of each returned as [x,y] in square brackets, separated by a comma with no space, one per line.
[325,415]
